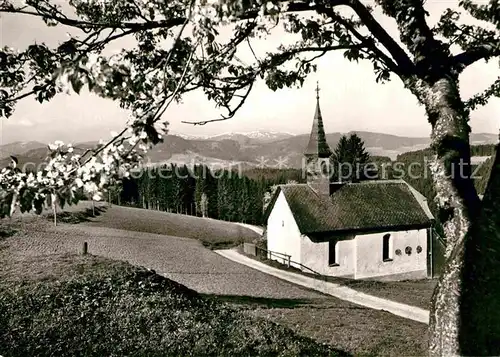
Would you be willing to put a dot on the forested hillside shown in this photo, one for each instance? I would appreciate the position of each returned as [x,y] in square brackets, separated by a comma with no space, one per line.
[222,194]
[240,197]
[413,168]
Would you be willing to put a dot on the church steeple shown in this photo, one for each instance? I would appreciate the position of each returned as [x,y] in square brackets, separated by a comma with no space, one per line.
[317,140]
[317,154]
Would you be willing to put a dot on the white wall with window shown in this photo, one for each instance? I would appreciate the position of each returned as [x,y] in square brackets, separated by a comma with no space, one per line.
[399,252]
[357,256]
[334,257]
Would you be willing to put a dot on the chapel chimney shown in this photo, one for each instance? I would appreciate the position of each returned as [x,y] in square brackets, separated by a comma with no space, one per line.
[317,154]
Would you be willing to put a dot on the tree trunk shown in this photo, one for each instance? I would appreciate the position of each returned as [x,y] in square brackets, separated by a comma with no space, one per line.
[451,324]
[480,303]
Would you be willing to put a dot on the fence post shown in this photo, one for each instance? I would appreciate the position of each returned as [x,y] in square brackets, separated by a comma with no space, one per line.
[85,248]
[53,198]
[289,257]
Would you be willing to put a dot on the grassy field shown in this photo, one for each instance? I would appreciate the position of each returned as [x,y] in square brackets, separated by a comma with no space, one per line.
[355,329]
[411,292]
[212,233]
[99,307]
[38,252]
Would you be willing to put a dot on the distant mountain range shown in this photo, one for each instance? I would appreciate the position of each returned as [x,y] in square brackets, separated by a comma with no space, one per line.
[244,138]
[254,148]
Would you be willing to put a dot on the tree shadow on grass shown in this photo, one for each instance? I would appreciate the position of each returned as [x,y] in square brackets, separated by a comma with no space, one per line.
[249,302]
[260,301]
[222,244]
[78,217]
[6,232]
[252,301]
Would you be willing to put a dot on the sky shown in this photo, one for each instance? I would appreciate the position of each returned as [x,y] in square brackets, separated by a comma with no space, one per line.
[350,98]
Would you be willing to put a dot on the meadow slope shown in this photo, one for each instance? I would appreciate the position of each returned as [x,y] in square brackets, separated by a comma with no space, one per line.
[348,327]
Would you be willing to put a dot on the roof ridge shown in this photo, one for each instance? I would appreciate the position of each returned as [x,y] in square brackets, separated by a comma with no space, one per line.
[373,182]
[421,199]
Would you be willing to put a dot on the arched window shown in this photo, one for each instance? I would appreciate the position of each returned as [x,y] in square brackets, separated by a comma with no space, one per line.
[387,247]
[333,252]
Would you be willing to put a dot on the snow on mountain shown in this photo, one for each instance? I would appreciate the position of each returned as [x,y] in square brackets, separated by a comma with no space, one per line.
[257,135]
[267,135]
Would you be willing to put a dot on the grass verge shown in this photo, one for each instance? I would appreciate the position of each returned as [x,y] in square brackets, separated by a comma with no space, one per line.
[100,307]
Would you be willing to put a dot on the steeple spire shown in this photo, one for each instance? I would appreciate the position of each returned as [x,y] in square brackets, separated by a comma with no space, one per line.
[318,146]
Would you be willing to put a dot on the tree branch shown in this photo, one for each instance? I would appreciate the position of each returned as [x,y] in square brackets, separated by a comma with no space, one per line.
[398,54]
[135,26]
[466,58]
[274,61]
[325,7]
[386,60]
[232,112]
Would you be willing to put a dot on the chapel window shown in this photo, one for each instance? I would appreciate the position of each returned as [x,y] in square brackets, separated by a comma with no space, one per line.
[333,253]
[387,248]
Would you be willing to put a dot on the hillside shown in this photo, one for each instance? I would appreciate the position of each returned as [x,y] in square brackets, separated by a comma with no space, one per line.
[223,151]
[244,138]
[32,156]
[54,301]
[81,306]
[20,148]
[248,149]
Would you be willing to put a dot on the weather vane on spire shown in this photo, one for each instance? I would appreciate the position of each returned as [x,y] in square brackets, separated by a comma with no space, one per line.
[317,89]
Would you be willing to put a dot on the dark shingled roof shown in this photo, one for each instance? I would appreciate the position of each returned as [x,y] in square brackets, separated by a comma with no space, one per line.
[363,206]
[317,141]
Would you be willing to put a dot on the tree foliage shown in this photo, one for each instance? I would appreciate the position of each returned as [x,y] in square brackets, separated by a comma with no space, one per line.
[178,49]
[226,195]
[349,159]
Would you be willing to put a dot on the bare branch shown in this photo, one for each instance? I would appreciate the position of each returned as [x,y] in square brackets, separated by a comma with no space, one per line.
[232,112]
[162,107]
[273,61]
[386,60]
[251,49]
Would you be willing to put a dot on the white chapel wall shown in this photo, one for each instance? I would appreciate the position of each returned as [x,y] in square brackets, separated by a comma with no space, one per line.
[315,256]
[369,262]
[283,234]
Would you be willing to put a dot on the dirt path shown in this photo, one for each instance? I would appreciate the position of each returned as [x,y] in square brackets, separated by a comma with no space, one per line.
[341,292]
[256,229]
